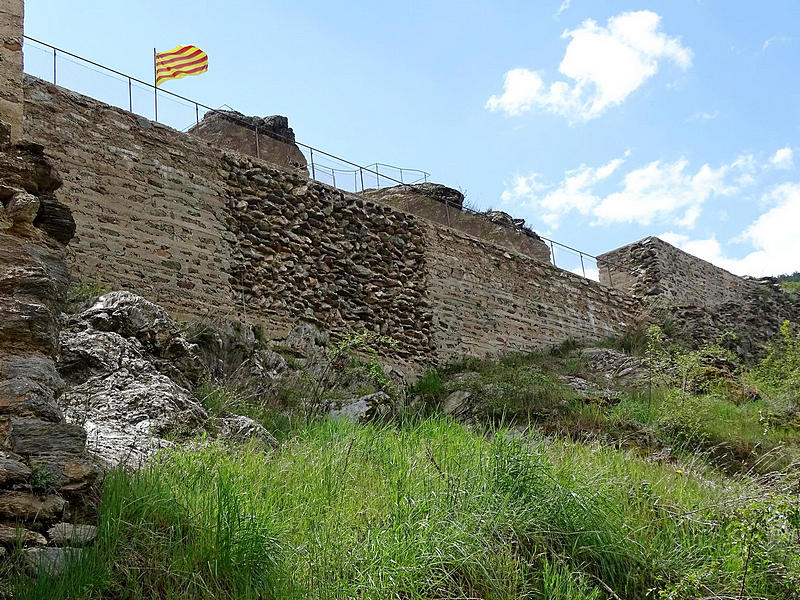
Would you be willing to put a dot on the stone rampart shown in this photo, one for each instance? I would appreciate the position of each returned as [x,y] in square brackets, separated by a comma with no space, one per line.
[207,231]
[653,268]
[705,300]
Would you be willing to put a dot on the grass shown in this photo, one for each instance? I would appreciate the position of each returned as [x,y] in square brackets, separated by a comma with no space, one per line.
[420,511]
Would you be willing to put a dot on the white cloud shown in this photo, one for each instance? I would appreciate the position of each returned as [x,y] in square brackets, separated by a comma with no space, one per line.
[783,158]
[775,39]
[658,191]
[605,64]
[702,116]
[564,6]
[573,193]
[773,236]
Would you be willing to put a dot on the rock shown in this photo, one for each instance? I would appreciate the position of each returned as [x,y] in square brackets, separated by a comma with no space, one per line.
[364,408]
[616,367]
[11,536]
[51,561]
[457,403]
[55,219]
[241,429]
[306,340]
[32,436]
[22,208]
[67,534]
[236,353]
[128,412]
[22,397]
[68,473]
[12,471]
[501,218]
[25,506]
[32,367]
[116,358]
[131,316]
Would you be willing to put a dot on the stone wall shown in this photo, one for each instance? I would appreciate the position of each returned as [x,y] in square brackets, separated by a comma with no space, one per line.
[652,267]
[11,12]
[148,201]
[442,205]
[486,300]
[705,301]
[203,230]
[307,250]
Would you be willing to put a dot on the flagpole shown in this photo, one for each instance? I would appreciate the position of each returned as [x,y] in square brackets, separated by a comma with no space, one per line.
[155,85]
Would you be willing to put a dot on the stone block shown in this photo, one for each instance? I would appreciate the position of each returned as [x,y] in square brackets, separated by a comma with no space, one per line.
[25,506]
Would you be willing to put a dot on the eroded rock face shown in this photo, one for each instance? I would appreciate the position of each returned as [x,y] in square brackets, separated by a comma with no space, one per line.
[43,460]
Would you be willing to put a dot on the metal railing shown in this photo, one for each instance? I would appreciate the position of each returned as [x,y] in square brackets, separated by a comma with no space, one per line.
[339,174]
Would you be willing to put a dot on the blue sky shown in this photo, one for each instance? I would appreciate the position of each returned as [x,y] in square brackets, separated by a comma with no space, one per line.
[599,122]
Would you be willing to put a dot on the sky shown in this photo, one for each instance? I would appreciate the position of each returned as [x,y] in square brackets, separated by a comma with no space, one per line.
[599,122]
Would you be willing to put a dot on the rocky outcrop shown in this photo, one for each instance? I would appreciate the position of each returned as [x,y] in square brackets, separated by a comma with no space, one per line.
[129,374]
[43,461]
[235,131]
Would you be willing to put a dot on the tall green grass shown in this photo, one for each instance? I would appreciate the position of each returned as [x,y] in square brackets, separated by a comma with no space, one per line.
[423,511]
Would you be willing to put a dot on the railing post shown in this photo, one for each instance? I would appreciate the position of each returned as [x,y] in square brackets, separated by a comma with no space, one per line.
[355,182]
[553,252]
[258,151]
[196,114]
[447,210]
[378,176]
[582,267]
[54,66]
[333,175]
[360,170]
[130,95]
[313,172]
[401,176]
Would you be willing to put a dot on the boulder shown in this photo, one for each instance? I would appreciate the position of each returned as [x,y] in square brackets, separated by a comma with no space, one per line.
[364,408]
[67,534]
[11,536]
[457,404]
[16,505]
[118,391]
[50,561]
[131,316]
[241,429]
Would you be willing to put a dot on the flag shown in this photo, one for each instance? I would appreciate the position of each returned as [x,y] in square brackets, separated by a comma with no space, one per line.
[179,62]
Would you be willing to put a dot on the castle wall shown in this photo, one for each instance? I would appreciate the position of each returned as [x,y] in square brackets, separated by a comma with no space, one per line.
[705,301]
[207,231]
[652,267]
[486,300]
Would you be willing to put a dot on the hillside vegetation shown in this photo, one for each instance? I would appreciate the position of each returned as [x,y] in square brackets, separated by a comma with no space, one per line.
[531,476]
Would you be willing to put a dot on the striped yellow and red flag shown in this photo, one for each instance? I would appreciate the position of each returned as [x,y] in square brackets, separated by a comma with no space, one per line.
[179,62]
